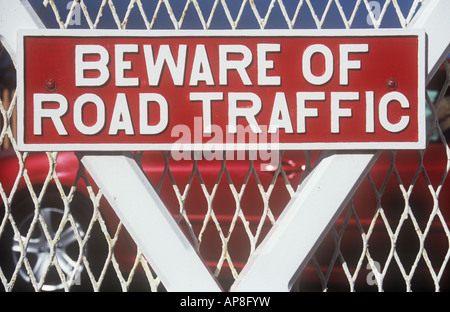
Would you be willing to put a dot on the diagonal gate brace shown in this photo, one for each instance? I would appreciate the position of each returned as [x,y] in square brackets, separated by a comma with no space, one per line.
[149,223]
[280,258]
[275,264]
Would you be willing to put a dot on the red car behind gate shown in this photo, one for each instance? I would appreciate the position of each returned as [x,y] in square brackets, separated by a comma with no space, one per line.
[365,202]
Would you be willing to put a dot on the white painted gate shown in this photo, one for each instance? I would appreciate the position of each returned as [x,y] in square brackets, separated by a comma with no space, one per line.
[321,207]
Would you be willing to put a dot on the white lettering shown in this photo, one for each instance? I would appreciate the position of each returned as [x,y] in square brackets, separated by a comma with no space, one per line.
[383,109]
[370,118]
[345,64]
[306,61]
[239,65]
[54,114]
[154,69]
[303,111]
[82,65]
[206,98]
[78,106]
[249,113]
[264,65]
[337,112]
[144,99]
[201,70]
[121,117]
[122,65]
[280,117]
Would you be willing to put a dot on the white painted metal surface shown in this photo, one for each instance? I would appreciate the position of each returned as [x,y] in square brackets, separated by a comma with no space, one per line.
[433,18]
[148,221]
[312,211]
[132,196]
[10,10]
[288,247]
[267,268]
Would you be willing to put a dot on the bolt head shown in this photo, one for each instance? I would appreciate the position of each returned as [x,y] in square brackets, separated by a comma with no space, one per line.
[391,84]
[51,85]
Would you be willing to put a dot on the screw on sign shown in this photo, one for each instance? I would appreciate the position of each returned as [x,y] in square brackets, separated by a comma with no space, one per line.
[312,92]
[51,85]
[391,84]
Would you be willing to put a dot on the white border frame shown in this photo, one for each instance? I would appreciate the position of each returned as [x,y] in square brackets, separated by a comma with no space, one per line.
[421,118]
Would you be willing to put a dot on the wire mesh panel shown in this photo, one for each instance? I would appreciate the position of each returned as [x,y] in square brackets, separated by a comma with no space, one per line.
[57,231]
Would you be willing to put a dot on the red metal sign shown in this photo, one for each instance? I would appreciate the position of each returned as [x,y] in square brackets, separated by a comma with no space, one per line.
[112,90]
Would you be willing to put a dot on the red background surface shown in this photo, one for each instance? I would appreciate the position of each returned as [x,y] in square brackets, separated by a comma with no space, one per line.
[388,58]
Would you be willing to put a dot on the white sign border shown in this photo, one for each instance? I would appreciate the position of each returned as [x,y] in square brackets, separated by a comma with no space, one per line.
[419,144]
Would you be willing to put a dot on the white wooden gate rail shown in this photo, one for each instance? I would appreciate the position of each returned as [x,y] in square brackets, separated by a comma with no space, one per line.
[287,248]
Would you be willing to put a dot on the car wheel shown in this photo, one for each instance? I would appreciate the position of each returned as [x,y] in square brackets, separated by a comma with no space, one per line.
[39,253]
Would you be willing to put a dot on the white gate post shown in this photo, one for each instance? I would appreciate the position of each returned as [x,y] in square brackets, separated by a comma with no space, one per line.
[149,223]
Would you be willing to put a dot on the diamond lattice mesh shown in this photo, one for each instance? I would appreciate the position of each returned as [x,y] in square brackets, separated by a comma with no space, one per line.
[58,232]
